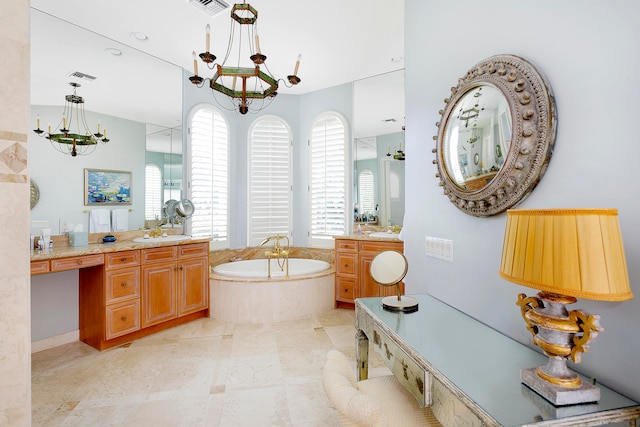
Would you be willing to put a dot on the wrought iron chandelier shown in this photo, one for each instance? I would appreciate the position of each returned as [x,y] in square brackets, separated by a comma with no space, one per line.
[248,87]
[78,141]
[399,154]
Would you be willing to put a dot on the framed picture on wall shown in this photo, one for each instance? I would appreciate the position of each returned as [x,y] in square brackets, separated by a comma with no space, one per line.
[107,187]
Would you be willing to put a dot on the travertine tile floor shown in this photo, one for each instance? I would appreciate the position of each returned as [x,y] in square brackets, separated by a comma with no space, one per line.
[204,373]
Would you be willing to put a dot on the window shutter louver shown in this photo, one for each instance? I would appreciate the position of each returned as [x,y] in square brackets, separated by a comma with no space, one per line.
[209,170]
[269,195]
[152,192]
[328,177]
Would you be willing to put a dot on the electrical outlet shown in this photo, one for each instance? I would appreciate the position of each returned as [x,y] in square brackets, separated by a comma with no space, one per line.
[439,248]
[40,223]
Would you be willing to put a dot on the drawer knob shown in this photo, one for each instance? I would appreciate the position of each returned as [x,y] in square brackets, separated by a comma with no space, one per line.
[79,261]
[124,284]
[124,318]
[123,259]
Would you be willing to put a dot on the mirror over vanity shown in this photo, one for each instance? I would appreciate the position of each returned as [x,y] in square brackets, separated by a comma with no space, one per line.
[496,136]
[378,150]
[139,103]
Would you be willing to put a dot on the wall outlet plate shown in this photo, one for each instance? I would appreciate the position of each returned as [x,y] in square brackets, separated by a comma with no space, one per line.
[439,248]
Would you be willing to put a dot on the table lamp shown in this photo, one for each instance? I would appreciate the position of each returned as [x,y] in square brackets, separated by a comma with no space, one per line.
[566,254]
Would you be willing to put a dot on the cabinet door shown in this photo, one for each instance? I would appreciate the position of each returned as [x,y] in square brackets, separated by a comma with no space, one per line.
[193,285]
[368,287]
[159,297]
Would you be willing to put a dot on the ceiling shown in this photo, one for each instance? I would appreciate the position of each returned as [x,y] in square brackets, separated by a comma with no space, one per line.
[340,42]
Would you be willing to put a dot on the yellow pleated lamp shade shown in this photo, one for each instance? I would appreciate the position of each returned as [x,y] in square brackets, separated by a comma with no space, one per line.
[574,252]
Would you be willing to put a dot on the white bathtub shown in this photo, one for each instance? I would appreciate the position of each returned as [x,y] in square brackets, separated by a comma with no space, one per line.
[257,268]
[241,291]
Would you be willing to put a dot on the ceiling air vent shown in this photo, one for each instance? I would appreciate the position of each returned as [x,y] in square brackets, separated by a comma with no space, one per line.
[81,76]
[210,7]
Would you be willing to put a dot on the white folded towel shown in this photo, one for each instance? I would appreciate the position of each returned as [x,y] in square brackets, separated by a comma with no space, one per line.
[120,219]
[99,221]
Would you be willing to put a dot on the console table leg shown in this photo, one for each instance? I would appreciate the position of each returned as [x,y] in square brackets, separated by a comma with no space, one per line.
[362,355]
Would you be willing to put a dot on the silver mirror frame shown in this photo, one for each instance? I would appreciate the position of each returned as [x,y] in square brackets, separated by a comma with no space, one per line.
[534,118]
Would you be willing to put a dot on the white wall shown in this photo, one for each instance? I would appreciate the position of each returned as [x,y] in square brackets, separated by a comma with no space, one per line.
[588,52]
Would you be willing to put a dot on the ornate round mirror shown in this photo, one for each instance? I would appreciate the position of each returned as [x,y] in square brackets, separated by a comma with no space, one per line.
[496,136]
[35,193]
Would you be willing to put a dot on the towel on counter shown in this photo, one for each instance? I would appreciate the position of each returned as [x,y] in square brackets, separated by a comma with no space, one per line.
[99,221]
[120,219]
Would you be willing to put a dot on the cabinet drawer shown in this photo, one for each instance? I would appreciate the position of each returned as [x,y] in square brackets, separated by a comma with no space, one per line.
[165,253]
[346,245]
[123,283]
[345,289]
[374,246]
[75,262]
[39,267]
[405,369]
[346,264]
[122,318]
[196,249]
[122,259]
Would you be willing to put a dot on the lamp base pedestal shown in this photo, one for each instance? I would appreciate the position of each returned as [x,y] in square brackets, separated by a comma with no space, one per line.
[405,304]
[558,395]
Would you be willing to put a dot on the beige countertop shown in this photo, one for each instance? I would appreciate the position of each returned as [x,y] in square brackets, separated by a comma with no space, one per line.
[366,236]
[101,248]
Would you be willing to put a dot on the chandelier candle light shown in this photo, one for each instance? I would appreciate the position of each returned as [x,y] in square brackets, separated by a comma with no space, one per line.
[242,85]
[80,141]
[566,254]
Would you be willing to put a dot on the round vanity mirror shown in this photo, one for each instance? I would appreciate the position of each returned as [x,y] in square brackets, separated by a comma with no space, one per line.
[388,268]
[496,136]
[185,208]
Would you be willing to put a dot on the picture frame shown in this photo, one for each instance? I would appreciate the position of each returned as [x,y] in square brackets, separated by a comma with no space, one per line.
[107,187]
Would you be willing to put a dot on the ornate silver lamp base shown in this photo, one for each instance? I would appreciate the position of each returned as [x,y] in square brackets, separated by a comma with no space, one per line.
[559,395]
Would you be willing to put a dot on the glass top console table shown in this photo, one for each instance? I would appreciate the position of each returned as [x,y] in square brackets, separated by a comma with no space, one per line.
[467,372]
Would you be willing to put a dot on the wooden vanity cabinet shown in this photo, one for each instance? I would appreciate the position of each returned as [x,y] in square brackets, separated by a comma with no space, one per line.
[143,291]
[353,261]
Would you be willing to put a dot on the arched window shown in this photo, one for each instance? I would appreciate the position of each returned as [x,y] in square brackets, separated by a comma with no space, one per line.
[328,179]
[152,192]
[208,175]
[269,167]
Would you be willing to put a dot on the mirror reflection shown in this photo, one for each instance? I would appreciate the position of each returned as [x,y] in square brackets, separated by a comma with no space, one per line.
[137,112]
[478,136]
[378,180]
[163,173]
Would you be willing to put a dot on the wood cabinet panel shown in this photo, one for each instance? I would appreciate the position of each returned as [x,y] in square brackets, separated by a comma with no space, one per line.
[193,250]
[73,263]
[122,284]
[165,253]
[347,264]
[193,284]
[159,298]
[345,289]
[122,318]
[39,267]
[122,259]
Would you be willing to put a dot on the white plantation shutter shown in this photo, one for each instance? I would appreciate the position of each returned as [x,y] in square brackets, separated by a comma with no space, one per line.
[328,157]
[269,204]
[152,192]
[209,180]
[366,191]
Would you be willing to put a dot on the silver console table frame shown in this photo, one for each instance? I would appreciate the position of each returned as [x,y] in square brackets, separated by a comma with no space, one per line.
[467,372]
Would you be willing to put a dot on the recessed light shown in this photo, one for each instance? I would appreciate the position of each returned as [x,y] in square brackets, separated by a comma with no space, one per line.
[113,51]
[397,59]
[139,36]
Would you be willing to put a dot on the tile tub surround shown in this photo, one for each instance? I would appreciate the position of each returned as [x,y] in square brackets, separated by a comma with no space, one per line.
[251,300]
[257,252]
[205,373]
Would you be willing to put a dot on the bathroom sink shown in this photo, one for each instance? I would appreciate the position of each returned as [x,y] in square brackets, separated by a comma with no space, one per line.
[169,238]
[384,235]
